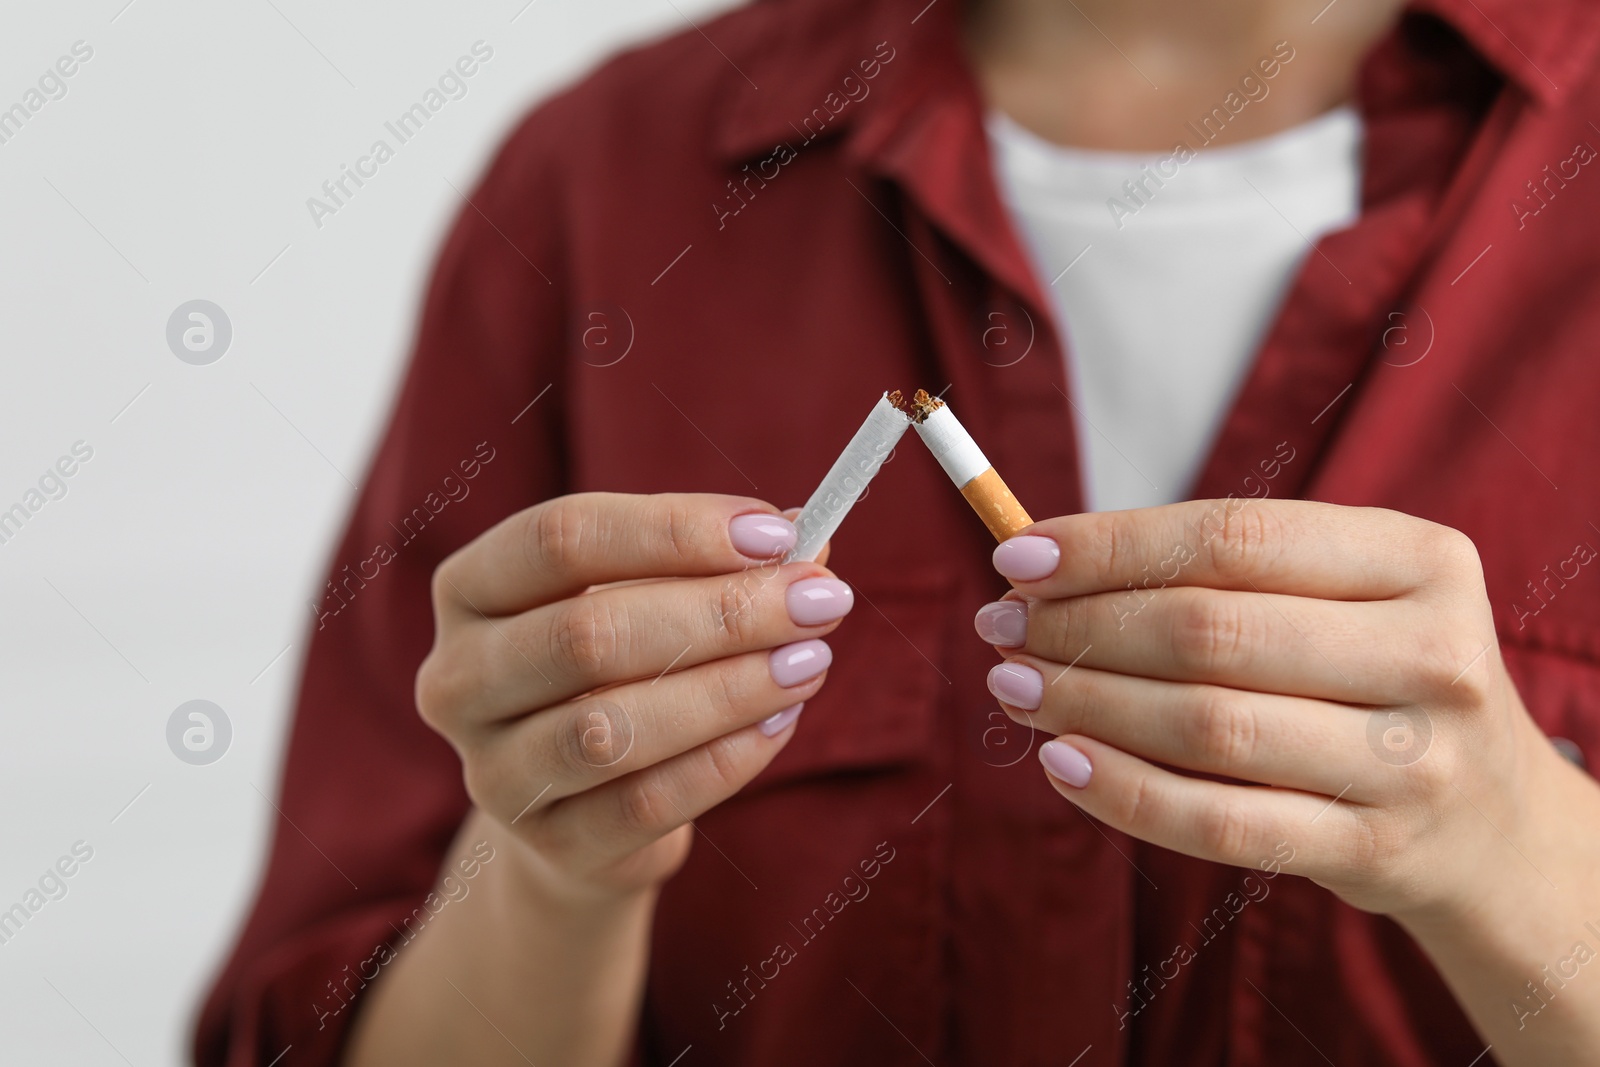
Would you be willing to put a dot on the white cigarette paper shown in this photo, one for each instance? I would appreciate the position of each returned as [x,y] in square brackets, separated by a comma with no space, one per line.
[952,446]
[847,479]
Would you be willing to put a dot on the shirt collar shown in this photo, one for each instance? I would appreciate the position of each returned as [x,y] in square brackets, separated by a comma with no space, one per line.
[1543,47]
[796,54]
[919,124]
[797,58]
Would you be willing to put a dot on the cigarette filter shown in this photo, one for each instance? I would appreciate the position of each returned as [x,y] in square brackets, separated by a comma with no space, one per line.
[964,462]
[846,481]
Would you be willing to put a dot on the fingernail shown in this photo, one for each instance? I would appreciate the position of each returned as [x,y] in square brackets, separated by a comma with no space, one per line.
[800,662]
[1066,763]
[776,724]
[1018,684]
[813,601]
[761,536]
[1027,558]
[1005,622]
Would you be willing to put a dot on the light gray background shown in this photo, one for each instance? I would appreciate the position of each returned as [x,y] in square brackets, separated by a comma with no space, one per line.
[180,564]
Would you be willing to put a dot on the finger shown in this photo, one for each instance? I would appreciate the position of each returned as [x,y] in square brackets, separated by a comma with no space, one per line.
[582,744]
[1242,826]
[788,513]
[612,636]
[1354,653]
[616,819]
[562,546]
[1301,547]
[507,667]
[827,547]
[1255,737]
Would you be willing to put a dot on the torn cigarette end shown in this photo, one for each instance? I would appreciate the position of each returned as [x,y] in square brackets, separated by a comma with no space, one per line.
[923,405]
[968,468]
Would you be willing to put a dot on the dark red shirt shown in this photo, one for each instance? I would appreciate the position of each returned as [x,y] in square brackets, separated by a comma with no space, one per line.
[699,268]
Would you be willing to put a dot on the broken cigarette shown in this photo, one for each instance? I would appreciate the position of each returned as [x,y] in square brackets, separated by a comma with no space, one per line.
[964,462]
[846,481]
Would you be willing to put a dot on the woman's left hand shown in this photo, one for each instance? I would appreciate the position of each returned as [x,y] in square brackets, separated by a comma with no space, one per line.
[1228,676]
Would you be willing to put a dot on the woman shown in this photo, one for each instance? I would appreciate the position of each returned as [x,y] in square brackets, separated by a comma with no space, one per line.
[1304,804]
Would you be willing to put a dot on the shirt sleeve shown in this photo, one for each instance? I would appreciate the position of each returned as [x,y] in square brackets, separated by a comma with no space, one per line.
[370,798]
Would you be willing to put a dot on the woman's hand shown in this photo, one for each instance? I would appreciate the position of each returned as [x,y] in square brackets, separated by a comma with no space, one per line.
[1320,650]
[595,720]
[608,667]
[1230,676]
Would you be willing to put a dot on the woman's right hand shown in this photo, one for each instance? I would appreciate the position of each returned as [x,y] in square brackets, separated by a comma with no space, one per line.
[609,667]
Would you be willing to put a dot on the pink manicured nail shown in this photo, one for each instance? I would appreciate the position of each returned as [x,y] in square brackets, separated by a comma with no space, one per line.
[776,724]
[800,662]
[814,601]
[1066,763]
[761,536]
[1005,623]
[1027,558]
[1018,684]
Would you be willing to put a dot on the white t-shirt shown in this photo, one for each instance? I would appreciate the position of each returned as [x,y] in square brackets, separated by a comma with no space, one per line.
[1164,271]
